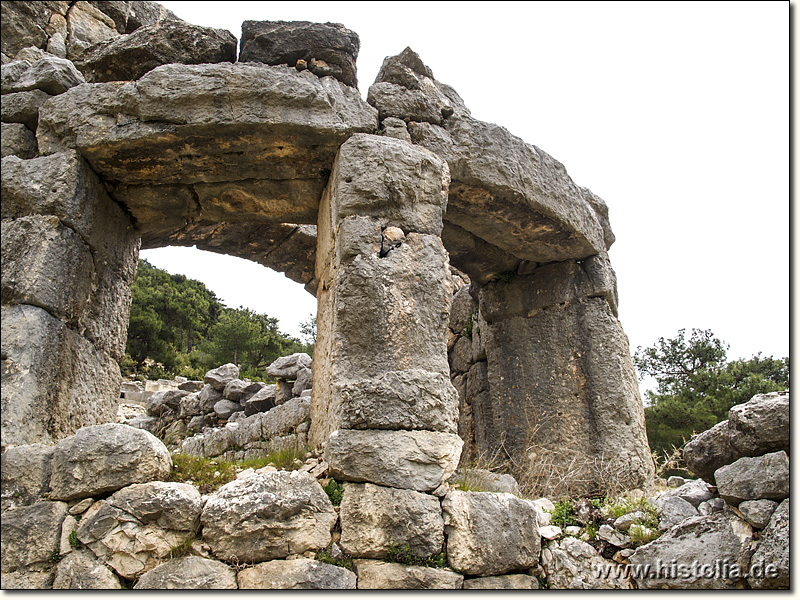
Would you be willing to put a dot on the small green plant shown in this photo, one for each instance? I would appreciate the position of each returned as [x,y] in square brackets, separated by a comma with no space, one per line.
[335,491]
[470,480]
[181,549]
[644,528]
[641,534]
[345,560]
[404,555]
[506,276]
[470,327]
[591,530]
[73,539]
[564,514]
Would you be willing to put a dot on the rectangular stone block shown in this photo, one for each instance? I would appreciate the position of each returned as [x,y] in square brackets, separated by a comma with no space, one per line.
[414,460]
[46,264]
[64,186]
[54,381]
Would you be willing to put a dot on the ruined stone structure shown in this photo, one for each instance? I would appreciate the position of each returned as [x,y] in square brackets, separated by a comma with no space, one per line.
[277,159]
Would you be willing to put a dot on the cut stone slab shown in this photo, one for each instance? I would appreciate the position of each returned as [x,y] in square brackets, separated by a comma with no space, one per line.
[377,575]
[268,516]
[490,533]
[502,582]
[721,538]
[298,574]
[374,518]
[128,57]
[754,478]
[82,570]
[323,48]
[410,399]
[416,460]
[189,573]
[105,458]
[772,553]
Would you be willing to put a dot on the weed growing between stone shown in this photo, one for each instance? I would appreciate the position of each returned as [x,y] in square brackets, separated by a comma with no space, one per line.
[182,549]
[335,491]
[209,474]
[73,539]
[405,556]
[344,560]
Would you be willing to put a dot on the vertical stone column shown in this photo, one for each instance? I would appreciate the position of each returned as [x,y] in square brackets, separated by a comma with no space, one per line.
[69,256]
[383,402]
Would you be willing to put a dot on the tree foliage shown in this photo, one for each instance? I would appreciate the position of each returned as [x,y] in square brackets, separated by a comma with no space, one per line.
[697,386]
[179,327]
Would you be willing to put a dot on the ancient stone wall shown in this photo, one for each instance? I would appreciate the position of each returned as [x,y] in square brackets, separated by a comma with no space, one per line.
[196,148]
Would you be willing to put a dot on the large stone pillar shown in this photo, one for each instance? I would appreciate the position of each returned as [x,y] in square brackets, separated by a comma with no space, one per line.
[559,394]
[383,403]
[69,256]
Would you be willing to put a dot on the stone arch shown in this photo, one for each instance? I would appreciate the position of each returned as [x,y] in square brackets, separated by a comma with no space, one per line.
[235,158]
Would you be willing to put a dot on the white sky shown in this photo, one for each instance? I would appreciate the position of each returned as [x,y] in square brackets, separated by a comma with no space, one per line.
[676,114]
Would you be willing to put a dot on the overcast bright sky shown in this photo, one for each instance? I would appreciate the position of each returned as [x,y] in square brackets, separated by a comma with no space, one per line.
[676,114]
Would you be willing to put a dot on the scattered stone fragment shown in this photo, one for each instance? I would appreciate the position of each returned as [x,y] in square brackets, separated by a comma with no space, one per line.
[758,512]
[82,570]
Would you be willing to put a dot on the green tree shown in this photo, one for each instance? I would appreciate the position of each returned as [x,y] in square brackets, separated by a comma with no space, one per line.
[697,386]
[170,314]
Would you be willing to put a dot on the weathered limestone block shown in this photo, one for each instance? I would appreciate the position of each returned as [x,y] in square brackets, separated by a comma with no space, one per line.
[674,510]
[54,380]
[17,140]
[262,401]
[462,311]
[27,580]
[759,426]
[129,16]
[416,460]
[221,376]
[268,516]
[378,575]
[323,48]
[208,397]
[572,564]
[771,554]
[710,450]
[46,264]
[82,570]
[104,458]
[409,399]
[25,474]
[25,23]
[490,533]
[189,573]
[562,390]
[380,183]
[63,185]
[375,517]
[298,574]
[138,526]
[51,74]
[502,582]
[165,401]
[127,58]
[475,256]
[754,478]
[303,382]
[718,538]
[695,492]
[225,408]
[287,367]
[31,534]
[757,512]
[275,133]
[87,26]
[238,390]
